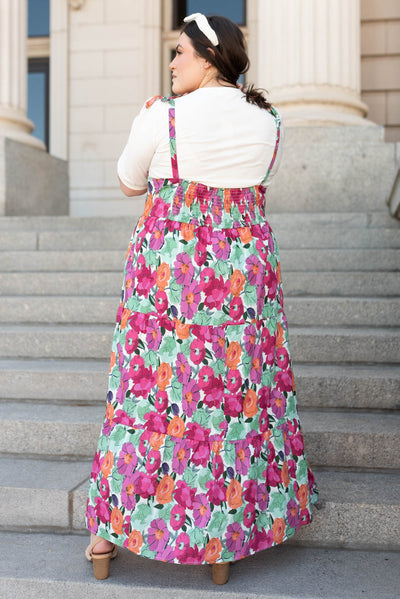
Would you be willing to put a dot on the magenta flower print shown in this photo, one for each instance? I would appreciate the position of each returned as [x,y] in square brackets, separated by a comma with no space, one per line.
[128,491]
[91,519]
[221,246]
[249,515]
[181,456]
[191,396]
[200,253]
[250,338]
[184,269]
[153,461]
[184,495]
[283,380]
[201,510]
[236,308]
[127,459]
[216,204]
[153,337]
[157,236]
[201,454]
[234,537]
[207,278]
[242,461]
[278,403]
[131,341]
[282,357]
[233,405]
[166,555]
[218,466]
[271,281]
[293,513]
[256,366]
[161,402]
[255,270]
[190,299]
[206,378]
[104,488]
[268,346]
[218,343]
[197,351]
[216,491]
[158,535]
[178,516]
[216,292]
[161,301]
[182,368]
[146,485]
[262,497]
[233,381]
[144,382]
[102,510]
[182,546]
[145,277]
[214,395]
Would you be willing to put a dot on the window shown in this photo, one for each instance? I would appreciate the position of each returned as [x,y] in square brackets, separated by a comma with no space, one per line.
[38,67]
[234,10]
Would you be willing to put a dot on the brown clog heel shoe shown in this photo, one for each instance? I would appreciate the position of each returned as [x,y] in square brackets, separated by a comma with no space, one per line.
[101,561]
[220,573]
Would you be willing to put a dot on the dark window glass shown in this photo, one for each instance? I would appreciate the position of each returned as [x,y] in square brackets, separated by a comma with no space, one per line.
[38,97]
[233,9]
[38,18]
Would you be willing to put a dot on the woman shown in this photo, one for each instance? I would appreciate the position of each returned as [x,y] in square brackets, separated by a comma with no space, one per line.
[201,456]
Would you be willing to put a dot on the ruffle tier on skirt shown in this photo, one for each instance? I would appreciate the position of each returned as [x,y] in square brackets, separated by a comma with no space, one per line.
[201,456]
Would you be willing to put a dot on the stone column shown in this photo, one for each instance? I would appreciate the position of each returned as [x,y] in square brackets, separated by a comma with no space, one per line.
[14,123]
[309,60]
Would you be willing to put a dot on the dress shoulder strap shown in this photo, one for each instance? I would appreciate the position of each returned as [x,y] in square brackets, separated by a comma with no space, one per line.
[278,121]
[172,136]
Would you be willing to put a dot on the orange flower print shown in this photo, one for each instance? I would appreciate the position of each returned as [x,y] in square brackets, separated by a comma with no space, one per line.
[117,521]
[187,231]
[280,335]
[182,330]
[176,427]
[278,272]
[124,318]
[163,276]
[278,530]
[303,496]
[135,541]
[147,207]
[285,475]
[164,373]
[113,359]
[245,234]
[164,489]
[227,200]
[107,464]
[129,250]
[156,440]
[234,494]
[190,193]
[213,550]
[109,412]
[237,282]
[217,446]
[250,406]
[233,354]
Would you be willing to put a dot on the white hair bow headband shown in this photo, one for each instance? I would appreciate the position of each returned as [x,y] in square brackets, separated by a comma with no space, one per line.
[204,26]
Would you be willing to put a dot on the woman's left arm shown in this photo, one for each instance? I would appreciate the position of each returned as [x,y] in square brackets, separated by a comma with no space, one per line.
[130,192]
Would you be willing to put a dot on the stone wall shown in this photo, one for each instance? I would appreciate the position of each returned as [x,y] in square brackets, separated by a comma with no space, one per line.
[380,63]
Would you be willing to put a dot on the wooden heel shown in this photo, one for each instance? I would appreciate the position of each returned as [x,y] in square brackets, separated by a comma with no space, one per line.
[101,566]
[220,573]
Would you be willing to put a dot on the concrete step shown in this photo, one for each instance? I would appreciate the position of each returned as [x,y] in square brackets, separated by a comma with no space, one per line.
[336,284]
[340,439]
[84,382]
[299,311]
[291,259]
[355,509]
[44,566]
[308,344]
[293,237]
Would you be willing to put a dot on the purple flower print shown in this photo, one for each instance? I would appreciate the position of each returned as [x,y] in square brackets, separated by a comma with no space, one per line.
[190,299]
[220,245]
[234,537]
[153,461]
[166,555]
[293,514]
[216,203]
[128,491]
[201,510]
[201,454]
[250,338]
[262,497]
[153,337]
[123,386]
[158,535]
[255,270]
[184,269]
[157,236]
[233,381]
[181,456]
[191,396]
[197,351]
[182,368]
[242,461]
[218,344]
[256,366]
[127,459]
[91,519]
[178,516]
[278,403]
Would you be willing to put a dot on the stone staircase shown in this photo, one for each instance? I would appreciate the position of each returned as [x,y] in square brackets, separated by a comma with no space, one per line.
[59,283]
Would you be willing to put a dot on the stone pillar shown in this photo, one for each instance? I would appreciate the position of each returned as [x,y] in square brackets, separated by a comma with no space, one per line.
[14,123]
[309,60]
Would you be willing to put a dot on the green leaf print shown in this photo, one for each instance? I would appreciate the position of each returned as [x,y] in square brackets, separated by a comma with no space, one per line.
[272,260]
[235,431]
[143,408]
[266,378]
[221,267]
[143,513]
[201,417]
[202,318]
[167,192]
[227,556]
[170,248]
[151,358]
[169,446]
[219,317]
[217,417]
[152,258]
[190,477]
[250,294]
[264,521]
[168,350]
[117,435]
[133,303]
[291,410]
[204,477]
[277,504]
[115,378]
[175,292]
[216,524]
[176,392]
[116,483]
[230,453]
[147,553]
[103,444]
[196,536]
[219,367]
[301,472]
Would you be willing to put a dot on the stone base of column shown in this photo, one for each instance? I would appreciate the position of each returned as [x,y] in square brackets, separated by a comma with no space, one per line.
[15,125]
[32,183]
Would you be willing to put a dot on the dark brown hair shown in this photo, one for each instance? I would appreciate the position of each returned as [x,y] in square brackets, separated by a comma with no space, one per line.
[229,57]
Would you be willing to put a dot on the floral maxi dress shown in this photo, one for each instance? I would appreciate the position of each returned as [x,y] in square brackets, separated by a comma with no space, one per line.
[201,456]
